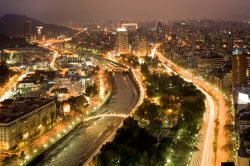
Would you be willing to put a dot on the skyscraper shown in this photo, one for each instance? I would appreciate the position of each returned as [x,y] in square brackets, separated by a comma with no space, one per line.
[240,70]
[230,41]
[208,63]
[130,26]
[39,32]
[160,31]
[122,45]
[142,46]
[27,29]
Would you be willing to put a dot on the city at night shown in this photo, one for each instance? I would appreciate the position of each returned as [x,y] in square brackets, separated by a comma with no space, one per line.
[124,83]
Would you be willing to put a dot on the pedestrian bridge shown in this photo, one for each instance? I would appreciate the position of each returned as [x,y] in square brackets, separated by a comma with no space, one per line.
[106,115]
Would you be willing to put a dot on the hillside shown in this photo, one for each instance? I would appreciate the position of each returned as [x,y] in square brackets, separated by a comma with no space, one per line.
[7,42]
[13,25]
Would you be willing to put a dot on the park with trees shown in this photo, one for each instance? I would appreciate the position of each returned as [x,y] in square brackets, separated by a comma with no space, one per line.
[164,129]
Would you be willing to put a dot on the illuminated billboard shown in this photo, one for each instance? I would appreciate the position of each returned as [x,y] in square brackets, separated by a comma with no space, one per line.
[243,98]
[237,52]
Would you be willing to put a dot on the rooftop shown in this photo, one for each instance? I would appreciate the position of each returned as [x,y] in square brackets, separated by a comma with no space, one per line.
[10,110]
[39,76]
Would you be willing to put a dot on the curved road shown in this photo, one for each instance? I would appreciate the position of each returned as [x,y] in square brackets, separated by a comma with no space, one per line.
[206,154]
[84,141]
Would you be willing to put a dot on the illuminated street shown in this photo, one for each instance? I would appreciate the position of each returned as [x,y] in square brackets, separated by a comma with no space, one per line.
[7,90]
[206,152]
[80,145]
[125,83]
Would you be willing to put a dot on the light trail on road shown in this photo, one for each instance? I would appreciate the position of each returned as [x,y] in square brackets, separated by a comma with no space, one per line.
[106,115]
[85,142]
[8,90]
[207,149]
[207,154]
[52,64]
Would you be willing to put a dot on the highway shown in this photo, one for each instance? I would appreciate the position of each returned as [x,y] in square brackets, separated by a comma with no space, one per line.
[205,145]
[215,107]
[84,141]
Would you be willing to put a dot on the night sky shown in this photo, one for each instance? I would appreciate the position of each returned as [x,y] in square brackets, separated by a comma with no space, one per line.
[61,11]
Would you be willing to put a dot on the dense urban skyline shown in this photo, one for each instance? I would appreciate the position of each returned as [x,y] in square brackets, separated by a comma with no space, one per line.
[132,82]
[61,11]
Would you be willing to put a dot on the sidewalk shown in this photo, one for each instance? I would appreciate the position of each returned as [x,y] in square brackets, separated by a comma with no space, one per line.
[49,139]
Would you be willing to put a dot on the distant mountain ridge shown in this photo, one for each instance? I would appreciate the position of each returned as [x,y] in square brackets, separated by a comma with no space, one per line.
[7,42]
[13,25]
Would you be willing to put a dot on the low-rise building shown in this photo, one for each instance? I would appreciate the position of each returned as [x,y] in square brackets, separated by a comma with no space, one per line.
[40,80]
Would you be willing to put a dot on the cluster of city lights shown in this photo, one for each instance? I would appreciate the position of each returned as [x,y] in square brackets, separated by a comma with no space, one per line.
[57,136]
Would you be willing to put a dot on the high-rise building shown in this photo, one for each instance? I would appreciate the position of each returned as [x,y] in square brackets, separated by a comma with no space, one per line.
[27,29]
[240,69]
[122,45]
[160,31]
[39,32]
[230,41]
[130,26]
[243,127]
[142,46]
[241,86]
[208,63]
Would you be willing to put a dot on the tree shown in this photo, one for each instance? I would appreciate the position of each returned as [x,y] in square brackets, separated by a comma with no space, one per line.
[181,150]
[6,161]
[131,146]
[22,155]
[80,103]
[4,72]
[92,89]
[52,116]
[228,147]
[60,91]
[44,121]
[4,69]
[148,111]
[145,69]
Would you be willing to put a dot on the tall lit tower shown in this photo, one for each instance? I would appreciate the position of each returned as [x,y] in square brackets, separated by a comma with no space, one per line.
[122,45]
[230,41]
[160,31]
[130,26]
[142,46]
[27,29]
[240,69]
[39,32]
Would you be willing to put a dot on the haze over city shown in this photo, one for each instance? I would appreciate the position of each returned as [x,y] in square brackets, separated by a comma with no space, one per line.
[82,11]
[124,82]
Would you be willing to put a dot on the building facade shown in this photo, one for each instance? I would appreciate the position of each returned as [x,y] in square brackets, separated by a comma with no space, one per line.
[241,71]
[142,46]
[122,45]
[208,63]
[243,118]
[27,29]
[130,26]
[23,118]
